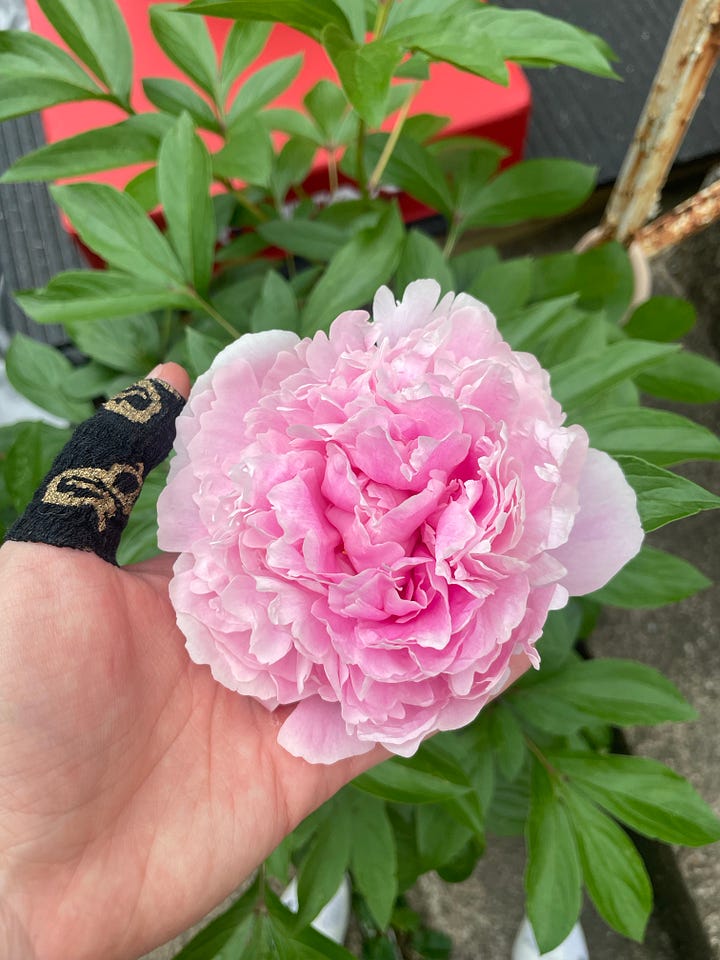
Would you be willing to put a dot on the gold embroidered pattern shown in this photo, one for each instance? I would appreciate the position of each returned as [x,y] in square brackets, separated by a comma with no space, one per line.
[105,491]
[139,403]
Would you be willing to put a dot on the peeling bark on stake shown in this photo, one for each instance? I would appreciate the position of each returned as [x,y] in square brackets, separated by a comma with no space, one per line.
[686,66]
[683,221]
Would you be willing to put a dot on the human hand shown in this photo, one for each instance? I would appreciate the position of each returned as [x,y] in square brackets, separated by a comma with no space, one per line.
[135,791]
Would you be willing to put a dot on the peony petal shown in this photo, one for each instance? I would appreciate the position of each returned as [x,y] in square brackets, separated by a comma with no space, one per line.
[607,530]
[316,731]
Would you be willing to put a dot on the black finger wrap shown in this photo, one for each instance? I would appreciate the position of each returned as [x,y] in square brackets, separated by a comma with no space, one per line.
[86,499]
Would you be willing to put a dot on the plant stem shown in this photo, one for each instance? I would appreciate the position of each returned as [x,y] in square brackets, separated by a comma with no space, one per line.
[360,160]
[383,12]
[535,749]
[239,195]
[392,140]
[332,170]
[452,238]
[217,317]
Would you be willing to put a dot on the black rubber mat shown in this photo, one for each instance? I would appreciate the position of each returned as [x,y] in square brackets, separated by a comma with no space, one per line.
[591,119]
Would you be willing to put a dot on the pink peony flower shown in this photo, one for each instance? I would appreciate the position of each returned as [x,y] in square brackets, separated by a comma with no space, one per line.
[374,524]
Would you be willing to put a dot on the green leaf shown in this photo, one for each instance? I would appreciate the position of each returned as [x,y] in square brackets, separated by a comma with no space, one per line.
[115,227]
[661,318]
[263,86]
[277,308]
[356,14]
[470,264]
[461,41]
[533,38]
[323,866]
[186,41]
[422,257]
[652,579]
[243,46]
[143,189]
[416,67]
[560,632]
[18,99]
[175,97]
[507,740]
[29,458]
[602,276]
[328,106]
[658,436]
[135,140]
[424,126]
[617,692]
[401,784]
[373,858]
[201,350]
[413,169]
[307,16]
[184,176]
[247,154]
[583,378]
[39,372]
[365,71]
[228,934]
[685,377]
[440,836]
[286,921]
[27,56]
[343,286]
[129,345]
[94,294]
[644,794]
[663,496]
[613,871]
[291,166]
[95,30]
[553,878]
[508,810]
[532,189]
[311,239]
[504,287]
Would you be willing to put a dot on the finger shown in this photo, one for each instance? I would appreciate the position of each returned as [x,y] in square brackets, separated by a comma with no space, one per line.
[86,499]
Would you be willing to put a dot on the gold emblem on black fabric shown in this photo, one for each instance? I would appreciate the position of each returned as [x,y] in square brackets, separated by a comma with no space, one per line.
[106,491]
[139,403]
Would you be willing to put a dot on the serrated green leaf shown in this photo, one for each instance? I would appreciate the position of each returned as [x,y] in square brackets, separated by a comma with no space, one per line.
[581,379]
[651,579]
[264,86]
[135,140]
[365,71]
[661,318]
[176,97]
[685,377]
[243,46]
[531,37]
[644,794]
[39,372]
[184,176]
[96,294]
[613,871]
[247,154]
[186,41]
[421,258]
[663,496]
[307,16]
[115,227]
[29,458]
[532,189]
[553,877]
[324,863]
[373,859]
[658,436]
[95,30]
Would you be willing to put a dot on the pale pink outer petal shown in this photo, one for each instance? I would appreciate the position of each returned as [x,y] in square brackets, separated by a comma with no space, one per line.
[316,731]
[260,350]
[607,531]
[396,319]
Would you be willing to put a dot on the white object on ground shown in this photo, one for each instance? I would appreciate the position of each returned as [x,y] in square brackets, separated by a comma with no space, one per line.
[526,948]
[333,919]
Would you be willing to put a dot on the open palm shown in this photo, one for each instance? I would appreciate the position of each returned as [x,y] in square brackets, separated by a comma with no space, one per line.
[135,791]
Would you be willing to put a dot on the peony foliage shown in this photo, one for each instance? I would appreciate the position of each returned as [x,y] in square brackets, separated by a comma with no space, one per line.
[245,250]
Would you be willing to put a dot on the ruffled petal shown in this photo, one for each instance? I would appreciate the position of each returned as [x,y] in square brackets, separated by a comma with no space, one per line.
[316,731]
